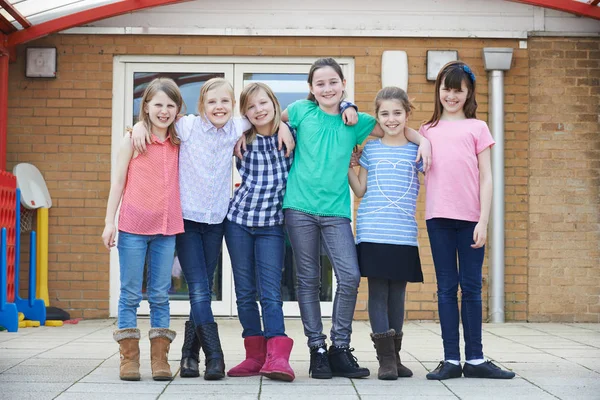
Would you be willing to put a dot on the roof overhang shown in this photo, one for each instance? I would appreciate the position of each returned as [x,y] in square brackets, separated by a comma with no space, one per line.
[584,8]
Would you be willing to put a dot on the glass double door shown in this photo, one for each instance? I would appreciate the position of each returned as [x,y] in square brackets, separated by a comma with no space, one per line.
[288,81]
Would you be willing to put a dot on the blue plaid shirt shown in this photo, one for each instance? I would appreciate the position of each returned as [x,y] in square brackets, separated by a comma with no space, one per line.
[258,201]
[264,170]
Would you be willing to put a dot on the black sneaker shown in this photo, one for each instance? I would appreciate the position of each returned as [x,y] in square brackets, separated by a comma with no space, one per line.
[445,370]
[319,363]
[486,370]
[343,363]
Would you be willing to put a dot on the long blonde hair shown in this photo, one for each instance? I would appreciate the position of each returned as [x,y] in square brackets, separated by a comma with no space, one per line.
[249,91]
[211,84]
[170,88]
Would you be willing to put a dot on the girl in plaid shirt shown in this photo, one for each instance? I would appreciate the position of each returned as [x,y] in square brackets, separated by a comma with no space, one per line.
[255,237]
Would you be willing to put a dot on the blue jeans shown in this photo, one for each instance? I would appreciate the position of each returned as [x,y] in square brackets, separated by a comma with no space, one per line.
[447,238]
[306,232]
[132,257]
[198,249]
[257,263]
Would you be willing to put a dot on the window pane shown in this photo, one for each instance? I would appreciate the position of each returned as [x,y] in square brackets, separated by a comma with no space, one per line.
[189,84]
[287,87]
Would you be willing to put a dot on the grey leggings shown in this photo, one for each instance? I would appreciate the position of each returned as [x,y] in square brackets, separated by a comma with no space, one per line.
[386,304]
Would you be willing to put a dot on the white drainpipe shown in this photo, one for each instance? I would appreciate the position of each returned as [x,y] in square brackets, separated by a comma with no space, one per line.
[496,61]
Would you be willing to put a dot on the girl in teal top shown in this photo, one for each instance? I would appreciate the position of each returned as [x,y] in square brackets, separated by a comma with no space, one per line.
[317,212]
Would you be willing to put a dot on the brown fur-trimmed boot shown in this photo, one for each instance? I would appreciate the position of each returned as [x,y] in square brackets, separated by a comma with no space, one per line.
[403,372]
[129,348]
[384,346]
[160,342]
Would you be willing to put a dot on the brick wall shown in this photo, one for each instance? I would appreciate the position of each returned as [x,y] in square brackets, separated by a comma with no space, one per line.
[63,126]
[564,258]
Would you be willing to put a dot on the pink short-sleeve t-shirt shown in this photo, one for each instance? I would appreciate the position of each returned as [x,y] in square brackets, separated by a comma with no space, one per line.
[452,183]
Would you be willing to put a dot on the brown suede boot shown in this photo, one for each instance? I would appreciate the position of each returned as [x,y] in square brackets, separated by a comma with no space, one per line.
[403,372]
[129,348]
[160,341]
[384,346]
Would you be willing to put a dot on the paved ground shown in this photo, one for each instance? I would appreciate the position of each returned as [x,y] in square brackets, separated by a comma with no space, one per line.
[552,361]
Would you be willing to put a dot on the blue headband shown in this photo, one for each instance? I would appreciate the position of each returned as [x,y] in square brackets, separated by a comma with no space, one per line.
[469,72]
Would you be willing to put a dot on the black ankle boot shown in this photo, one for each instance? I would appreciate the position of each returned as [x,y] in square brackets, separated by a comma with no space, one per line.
[343,363]
[208,334]
[190,353]
[319,363]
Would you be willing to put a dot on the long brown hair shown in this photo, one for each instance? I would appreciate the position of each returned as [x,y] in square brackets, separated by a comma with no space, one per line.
[249,91]
[170,88]
[321,63]
[453,74]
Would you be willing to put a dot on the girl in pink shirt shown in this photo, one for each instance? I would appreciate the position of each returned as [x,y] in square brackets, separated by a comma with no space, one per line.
[458,201]
[147,186]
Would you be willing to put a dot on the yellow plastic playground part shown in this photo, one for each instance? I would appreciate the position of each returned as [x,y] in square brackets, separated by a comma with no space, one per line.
[21,316]
[32,324]
[22,324]
[54,323]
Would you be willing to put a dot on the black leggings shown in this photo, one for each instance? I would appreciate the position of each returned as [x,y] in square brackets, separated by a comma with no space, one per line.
[386,304]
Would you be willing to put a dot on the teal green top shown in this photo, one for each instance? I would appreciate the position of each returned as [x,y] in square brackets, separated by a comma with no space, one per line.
[318,180]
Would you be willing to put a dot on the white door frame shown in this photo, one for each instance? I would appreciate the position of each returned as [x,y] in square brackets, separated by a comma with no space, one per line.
[123,68]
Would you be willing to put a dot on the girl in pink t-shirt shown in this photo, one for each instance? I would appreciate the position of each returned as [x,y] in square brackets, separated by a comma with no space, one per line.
[458,201]
[147,186]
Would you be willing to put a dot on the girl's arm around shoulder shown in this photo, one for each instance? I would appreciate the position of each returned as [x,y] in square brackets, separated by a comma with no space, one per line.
[286,138]
[140,135]
[424,153]
[124,156]
[358,182]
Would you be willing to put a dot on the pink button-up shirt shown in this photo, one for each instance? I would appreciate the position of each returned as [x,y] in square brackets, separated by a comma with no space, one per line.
[150,202]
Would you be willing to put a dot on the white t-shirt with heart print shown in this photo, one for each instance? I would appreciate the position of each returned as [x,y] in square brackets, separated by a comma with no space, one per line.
[387,211]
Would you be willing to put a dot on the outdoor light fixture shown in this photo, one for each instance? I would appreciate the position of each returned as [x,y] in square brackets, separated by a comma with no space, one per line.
[436,59]
[40,62]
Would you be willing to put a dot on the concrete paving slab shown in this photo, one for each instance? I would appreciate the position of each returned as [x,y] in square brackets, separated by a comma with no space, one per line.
[126,390]
[196,396]
[29,395]
[103,396]
[208,389]
[81,362]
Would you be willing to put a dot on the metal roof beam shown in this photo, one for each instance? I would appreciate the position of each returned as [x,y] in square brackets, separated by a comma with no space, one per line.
[15,14]
[82,18]
[4,56]
[571,6]
[6,26]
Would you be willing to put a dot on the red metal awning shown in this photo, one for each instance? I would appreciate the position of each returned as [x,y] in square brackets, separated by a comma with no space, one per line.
[16,28]
[584,8]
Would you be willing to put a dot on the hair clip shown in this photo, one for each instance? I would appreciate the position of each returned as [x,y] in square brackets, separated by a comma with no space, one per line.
[469,72]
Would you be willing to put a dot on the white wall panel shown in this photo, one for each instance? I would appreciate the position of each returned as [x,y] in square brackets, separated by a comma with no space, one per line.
[396,18]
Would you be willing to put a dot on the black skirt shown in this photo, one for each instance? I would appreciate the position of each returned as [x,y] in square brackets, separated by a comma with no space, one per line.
[389,261]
